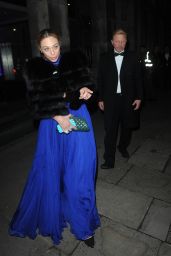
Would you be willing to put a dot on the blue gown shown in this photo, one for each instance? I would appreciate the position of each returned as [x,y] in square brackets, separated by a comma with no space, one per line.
[60,188]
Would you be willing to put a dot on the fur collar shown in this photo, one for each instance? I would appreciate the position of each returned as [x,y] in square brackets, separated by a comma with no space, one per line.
[39,69]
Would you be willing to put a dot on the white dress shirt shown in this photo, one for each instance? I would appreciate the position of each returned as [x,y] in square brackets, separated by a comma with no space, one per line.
[118,60]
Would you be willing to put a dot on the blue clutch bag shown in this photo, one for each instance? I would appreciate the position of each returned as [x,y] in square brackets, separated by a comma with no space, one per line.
[79,122]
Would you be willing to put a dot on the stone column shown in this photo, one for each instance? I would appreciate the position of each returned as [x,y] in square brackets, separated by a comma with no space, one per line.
[38,19]
[99,29]
[138,21]
[58,19]
[125,19]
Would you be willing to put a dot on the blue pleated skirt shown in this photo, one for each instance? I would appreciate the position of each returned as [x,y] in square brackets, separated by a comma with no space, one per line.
[60,187]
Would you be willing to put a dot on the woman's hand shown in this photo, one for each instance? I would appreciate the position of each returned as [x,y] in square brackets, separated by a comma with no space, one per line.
[64,122]
[85,93]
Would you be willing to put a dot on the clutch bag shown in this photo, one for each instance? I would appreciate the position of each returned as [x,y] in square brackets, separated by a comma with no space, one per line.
[79,122]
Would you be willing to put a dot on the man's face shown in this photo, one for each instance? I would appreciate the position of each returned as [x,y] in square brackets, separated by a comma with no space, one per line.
[119,42]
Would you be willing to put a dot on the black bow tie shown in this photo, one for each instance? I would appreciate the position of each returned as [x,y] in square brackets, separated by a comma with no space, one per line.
[118,54]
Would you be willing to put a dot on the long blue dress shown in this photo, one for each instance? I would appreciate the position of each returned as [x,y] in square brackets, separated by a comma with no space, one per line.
[60,188]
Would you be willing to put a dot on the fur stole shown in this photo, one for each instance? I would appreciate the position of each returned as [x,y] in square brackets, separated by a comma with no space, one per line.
[46,83]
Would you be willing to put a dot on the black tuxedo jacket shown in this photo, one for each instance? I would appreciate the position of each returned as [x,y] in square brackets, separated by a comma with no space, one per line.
[130,80]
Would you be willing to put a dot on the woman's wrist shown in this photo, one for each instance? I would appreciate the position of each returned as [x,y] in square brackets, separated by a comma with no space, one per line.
[57,118]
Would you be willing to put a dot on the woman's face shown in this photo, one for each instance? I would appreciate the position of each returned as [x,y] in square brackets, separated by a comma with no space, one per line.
[50,48]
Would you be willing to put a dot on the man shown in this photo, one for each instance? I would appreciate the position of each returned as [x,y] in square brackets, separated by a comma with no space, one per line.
[120,94]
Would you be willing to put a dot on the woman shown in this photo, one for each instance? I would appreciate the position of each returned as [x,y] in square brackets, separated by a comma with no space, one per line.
[60,185]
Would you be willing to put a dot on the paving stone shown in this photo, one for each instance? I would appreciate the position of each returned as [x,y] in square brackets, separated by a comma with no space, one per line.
[15,162]
[11,190]
[18,147]
[69,242]
[165,250]
[121,205]
[113,239]
[152,183]
[155,122]
[17,158]
[15,246]
[169,235]
[50,252]
[114,175]
[168,167]
[158,220]
[152,154]
[165,135]
[41,246]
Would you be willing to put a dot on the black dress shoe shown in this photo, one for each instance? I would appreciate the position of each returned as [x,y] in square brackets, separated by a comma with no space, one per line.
[90,242]
[107,166]
[123,152]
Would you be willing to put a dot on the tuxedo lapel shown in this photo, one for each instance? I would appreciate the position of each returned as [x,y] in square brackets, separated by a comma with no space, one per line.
[112,63]
[112,71]
[124,64]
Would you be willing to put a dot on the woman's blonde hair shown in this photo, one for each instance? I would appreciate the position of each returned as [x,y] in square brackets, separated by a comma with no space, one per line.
[46,33]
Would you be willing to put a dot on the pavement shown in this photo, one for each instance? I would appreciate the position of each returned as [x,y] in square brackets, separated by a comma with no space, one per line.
[133,199]
[15,118]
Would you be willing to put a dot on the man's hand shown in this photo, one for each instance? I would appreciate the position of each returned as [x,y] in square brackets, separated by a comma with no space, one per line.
[85,93]
[137,104]
[101,105]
